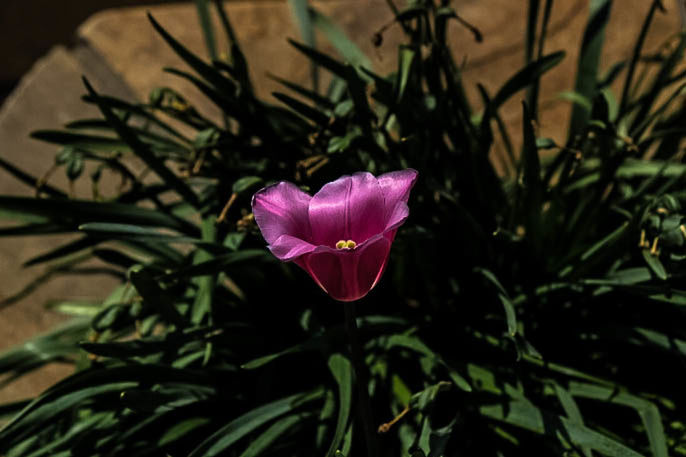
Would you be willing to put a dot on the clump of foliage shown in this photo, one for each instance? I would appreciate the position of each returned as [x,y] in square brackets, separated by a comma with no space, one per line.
[536,313]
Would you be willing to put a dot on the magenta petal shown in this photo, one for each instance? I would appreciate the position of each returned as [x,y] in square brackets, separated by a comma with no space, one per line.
[348,275]
[397,216]
[282,209]
[350,208]
[371,263]
[396,187]
[288,247]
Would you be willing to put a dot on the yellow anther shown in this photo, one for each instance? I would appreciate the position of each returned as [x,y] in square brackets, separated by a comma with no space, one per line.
[642,241]
[654,250]
[179,105]
[343,244]
[683,230]
[662,211]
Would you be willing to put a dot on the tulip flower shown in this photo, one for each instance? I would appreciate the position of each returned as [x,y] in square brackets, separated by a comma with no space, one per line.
[342,235]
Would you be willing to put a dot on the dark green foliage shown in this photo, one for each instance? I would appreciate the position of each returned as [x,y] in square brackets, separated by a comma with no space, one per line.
[536,313]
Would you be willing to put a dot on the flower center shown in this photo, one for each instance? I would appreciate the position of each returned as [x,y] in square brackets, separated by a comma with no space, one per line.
[343,244]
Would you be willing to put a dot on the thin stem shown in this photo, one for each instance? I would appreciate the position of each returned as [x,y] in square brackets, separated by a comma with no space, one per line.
[362,383]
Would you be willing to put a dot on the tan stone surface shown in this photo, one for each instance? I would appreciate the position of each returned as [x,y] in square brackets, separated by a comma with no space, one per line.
[138,54]
[46,98]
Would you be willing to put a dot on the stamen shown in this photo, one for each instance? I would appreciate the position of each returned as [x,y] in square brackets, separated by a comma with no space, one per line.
[654,250]
[343,244]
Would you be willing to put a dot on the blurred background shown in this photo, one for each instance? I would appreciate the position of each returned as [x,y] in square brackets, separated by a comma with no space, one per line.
[46,47]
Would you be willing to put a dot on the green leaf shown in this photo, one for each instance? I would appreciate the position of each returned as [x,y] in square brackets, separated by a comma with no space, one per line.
[405,59]
[636,54]
[182,429]
[526,76]
[341,369]
[414,344]
[29,180]
[89,385]
[533,191]
[303,109]
[274,432]
[303,15]
[614,237]
[655,264]
[240,65]
[202,305]
[134,232]
[589,60]
[79,140]
[227,435]
[218,264]
[70,213]
[311,95]
[349,50]
[580,100]
[335,67]
[650,415]
[524,414]
[143,151]
[55,345]
[572,410]
[212,75]
[74,307]
[163,301]
[133,111]
[110,317]
[510,312]
[206,26]
[246,183]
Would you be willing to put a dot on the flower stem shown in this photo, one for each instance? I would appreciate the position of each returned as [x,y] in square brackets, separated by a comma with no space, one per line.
[364,409]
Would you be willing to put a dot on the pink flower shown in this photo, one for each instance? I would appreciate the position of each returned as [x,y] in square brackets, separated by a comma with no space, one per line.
[342,236]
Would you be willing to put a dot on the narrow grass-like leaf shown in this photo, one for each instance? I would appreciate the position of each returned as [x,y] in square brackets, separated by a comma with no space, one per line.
[341,369]
[649,413]
[206,26]
[301,11]
[79,140]
[202,305]
[163,301]
[71,213]
[572,410]
[181,429]
[260,444]
[524,414]
[636,54]
[349,50]
[303,109]
[414,344]
[334,66]
[405,59]
[589,60]
[227,435]
[29,180]
[533,190]
[212,75]
[655,264]
[526,76]
[142,151]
